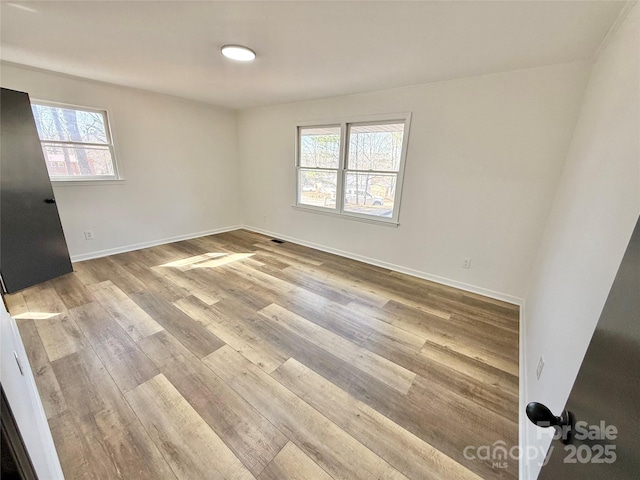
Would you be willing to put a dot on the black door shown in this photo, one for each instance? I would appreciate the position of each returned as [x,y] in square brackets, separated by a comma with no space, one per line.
[16,464]
[606,394]
[32,244]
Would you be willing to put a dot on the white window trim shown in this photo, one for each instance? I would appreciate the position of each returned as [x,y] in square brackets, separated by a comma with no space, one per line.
[116,178]
[84,183]
[339,211]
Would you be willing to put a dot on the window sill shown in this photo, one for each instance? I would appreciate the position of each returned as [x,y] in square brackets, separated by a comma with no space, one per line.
[346,216]
[84,183]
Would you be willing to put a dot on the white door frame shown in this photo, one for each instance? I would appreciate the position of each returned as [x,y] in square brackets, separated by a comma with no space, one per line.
[24,400]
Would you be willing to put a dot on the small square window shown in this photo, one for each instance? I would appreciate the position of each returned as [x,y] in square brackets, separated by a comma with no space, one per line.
[76,142]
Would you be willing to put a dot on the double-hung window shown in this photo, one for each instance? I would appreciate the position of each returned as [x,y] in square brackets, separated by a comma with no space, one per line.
[353,168]
[319,166]
[76,142]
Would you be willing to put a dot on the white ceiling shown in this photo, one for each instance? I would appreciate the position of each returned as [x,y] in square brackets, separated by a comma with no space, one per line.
[305,49]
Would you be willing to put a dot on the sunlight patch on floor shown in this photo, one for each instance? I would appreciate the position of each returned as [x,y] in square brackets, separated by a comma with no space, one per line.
[185,262]
[233,257]
[208,260]
[34,315]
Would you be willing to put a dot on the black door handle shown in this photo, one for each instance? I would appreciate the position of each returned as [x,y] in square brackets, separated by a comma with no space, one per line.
[49,200]
[541,416]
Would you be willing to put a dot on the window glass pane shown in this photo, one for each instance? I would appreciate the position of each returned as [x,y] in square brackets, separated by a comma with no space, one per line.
[317,188]
[75,160]
[370,193]
[320,147]
[375,147]
[69,125]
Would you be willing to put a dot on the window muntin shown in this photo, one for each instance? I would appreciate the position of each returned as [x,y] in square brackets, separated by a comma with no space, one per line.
[76,142]
[364,178]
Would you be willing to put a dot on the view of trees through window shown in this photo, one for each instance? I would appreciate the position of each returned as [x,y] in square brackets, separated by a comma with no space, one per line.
[370,171]
[75,143]
[319,162]
[373,151]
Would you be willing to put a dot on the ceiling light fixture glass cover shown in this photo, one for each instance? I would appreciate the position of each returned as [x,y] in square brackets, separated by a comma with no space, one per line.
[238,52]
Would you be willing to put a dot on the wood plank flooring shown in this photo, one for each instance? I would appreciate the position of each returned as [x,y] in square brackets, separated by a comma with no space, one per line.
[234,357]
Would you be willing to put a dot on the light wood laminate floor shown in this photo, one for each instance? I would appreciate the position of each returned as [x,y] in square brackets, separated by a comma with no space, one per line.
[234,357]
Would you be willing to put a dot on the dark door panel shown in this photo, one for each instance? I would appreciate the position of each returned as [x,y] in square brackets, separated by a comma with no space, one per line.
[16,463]
[32,244]
[607,388]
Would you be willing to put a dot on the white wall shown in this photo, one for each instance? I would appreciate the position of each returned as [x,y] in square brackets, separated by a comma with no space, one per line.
[484,157]
[593,216]
[179,160]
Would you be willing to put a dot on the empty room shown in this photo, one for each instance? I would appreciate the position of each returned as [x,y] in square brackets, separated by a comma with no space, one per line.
[320,240]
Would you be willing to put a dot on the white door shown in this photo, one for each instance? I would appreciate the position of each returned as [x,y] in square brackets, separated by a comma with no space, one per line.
[22,394]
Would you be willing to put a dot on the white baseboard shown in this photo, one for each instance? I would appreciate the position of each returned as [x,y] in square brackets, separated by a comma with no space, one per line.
[372,261]
[397,268]
[152,243]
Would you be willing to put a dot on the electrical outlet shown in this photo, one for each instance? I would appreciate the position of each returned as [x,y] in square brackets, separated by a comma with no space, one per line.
[466,263]
[88,235]
[540,367]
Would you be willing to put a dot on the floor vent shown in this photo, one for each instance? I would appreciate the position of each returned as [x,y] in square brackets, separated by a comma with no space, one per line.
[277,240]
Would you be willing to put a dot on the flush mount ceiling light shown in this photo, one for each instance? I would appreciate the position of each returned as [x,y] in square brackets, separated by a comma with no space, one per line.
[238,52]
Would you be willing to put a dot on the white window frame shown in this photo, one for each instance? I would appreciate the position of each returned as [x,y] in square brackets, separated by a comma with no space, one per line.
[342,169]
[84,179]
